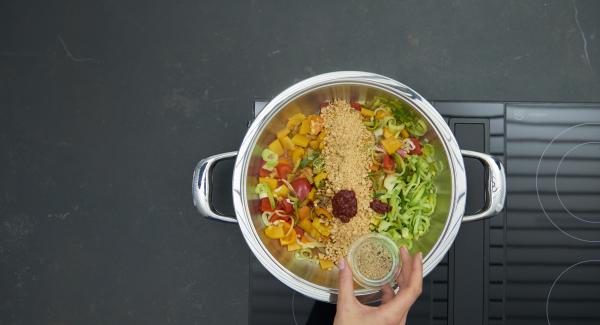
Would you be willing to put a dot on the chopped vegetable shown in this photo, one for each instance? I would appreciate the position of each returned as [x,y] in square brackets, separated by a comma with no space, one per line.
[301,187]
[281,192]
[323,213]
[263,172]
[283,170]
[388,163]
[285,206]
[274,217]
[287,143]
[356,106]
[305,224]
[316,124]
[289,238]
[404,134]
[283,133]
[417,149]
[276,147]
[264,192]
[295,120]
[367,112]
[304,212]
[314,144]
[275,231]
[305,126]
[387,133]
[271,159]
[297,155]
[300,140]
[391,145]
[265,205]
[319,178]
[326,264]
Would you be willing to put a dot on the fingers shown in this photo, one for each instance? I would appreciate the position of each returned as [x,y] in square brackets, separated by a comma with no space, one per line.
[410,281]
[403,277]
[388,293]
[346,293]
[416,277]
[405,256]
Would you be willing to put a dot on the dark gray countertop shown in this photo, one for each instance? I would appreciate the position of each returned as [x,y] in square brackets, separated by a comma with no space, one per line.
[107,106]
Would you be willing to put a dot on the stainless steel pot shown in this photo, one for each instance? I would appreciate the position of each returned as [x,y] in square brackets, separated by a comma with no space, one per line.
[305,96]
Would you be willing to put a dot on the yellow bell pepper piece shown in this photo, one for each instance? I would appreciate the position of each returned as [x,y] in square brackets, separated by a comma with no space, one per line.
[326,264]
[387,133]
[289,238]
[274,232]
[300,140]
[305,126]
[404,133]
[297,155]
[367,112]
[286,226]
[321,136]
[321,228]
[319,178]
[295,120]
[316,124]
[287,143]
[391,145]
[311,194]
[281,192]
[314,144]
[376,221]
[276,147]
[381,114]
[293,247]
[323,213]
[305,224]
[271,182]
[314,233]
[282,133]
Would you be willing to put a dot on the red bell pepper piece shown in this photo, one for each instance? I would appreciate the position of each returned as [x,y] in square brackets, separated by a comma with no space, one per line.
[265,205]
[388,162]
[302,187]
[418,148]
[286,206]
[283,170]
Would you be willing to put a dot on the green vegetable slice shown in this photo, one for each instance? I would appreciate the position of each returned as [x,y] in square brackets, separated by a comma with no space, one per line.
[264,191]
[271,159]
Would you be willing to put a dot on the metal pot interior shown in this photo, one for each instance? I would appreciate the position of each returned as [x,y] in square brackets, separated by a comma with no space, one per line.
[308,103]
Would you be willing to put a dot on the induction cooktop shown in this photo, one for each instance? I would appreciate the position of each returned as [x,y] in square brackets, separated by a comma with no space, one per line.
[536,262]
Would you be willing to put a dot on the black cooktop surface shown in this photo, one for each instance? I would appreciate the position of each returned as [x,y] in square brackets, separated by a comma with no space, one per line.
[537,262]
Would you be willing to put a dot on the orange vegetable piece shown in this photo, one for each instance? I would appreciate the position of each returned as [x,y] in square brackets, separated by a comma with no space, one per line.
[304,212]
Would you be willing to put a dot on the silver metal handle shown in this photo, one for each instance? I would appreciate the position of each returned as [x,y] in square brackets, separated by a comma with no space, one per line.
[201,184]
[495,187]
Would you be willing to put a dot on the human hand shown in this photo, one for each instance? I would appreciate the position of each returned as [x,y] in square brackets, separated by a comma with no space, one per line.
[393,309]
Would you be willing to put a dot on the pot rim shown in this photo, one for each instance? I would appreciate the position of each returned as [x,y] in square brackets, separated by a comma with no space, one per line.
[239,181]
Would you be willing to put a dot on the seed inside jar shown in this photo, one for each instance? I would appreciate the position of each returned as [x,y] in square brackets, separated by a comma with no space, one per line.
[373,260]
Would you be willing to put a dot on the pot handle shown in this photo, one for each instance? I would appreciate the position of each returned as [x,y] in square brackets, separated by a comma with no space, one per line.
[495,189]
[201,183]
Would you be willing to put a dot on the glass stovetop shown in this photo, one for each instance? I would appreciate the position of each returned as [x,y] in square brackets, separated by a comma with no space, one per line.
[537,262]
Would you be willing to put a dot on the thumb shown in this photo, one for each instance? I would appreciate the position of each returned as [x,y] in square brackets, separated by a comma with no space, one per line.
[346,293]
